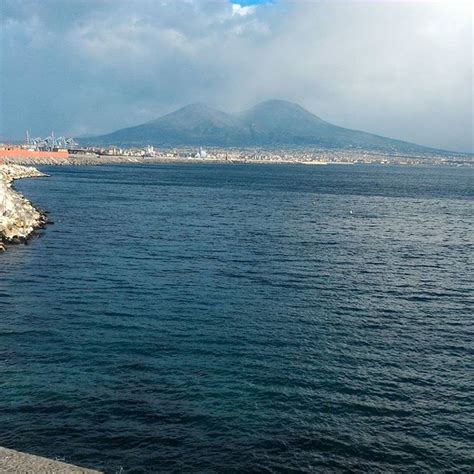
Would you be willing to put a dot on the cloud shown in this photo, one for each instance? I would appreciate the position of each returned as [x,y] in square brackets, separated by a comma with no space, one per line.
[238,9]
[400,69]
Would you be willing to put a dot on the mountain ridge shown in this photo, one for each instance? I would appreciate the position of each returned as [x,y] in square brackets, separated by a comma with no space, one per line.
[272,123]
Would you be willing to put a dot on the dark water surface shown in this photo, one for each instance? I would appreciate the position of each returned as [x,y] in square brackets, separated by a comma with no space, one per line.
[209,318]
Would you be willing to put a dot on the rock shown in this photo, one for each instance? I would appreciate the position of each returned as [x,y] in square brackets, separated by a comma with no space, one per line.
[18,217]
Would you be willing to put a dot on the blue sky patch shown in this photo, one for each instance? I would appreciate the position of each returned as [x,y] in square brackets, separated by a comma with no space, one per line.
[248,3]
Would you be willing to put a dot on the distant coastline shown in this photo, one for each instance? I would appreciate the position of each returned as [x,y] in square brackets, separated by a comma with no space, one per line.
[188,154]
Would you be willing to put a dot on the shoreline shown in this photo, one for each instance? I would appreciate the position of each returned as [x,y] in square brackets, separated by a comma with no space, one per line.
[83,160]
[95,160]
[19,218]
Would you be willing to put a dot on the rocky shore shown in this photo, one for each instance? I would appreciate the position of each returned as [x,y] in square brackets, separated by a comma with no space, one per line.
[73,160]
[18,217]
[92,160]
[13,461]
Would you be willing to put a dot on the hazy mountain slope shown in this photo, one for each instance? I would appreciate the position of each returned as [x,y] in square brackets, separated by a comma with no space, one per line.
[278,115]
[281,122]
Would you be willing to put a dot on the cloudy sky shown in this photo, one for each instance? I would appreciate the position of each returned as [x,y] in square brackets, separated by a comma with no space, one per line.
[402,69]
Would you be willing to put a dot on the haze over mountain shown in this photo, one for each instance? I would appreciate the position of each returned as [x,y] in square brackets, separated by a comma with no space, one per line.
[274,123]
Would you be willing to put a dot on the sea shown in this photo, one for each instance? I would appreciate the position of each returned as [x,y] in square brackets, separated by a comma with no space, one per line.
[243,318]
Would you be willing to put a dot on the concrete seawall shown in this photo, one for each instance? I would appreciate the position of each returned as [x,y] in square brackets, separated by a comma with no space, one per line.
[18,217]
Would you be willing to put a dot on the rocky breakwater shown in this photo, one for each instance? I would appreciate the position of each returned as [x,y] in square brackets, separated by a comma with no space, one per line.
[18,217]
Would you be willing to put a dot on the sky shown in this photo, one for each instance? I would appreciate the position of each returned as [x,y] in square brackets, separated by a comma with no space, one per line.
[402,69]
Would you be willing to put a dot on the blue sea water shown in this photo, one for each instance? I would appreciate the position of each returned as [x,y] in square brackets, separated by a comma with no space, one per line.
[243,318]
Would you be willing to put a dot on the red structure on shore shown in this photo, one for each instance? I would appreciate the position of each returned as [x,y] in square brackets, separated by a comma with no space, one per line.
[19,152]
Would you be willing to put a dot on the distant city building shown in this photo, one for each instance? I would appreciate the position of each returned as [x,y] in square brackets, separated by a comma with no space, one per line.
[201,153]
[150,151]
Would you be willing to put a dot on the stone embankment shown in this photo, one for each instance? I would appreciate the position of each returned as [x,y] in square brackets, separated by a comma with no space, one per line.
[92,160]
[18,217]
[15,462]
[78,160]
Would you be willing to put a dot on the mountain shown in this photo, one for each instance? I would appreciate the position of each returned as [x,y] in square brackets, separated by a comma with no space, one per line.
[274,123]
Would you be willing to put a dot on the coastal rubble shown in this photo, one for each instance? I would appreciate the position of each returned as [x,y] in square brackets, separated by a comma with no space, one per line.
[14,461]
[18,217]
[77,160]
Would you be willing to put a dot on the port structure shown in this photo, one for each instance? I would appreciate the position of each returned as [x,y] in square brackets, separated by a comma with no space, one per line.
[50,143]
